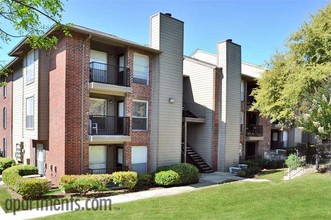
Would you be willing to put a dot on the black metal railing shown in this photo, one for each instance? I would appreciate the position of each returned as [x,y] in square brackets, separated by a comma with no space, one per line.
[107,170]
[109,74]
[277,145]
[254,130]
[108,125]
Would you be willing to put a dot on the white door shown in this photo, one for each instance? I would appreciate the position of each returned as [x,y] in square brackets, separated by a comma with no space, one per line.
[41,158]
[98,66]
[285,138]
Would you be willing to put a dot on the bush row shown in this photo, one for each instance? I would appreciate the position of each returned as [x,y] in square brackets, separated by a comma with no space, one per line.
[27,188]
[86,183]
[6,163]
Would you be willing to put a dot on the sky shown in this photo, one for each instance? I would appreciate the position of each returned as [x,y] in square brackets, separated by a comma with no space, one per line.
[261,27]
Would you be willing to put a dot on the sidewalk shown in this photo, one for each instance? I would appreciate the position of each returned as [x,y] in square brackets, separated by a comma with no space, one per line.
[206,180]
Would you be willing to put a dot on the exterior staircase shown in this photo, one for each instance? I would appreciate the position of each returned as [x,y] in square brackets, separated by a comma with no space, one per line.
[195,159]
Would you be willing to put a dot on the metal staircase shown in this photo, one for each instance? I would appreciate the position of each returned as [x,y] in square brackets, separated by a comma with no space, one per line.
[195,159]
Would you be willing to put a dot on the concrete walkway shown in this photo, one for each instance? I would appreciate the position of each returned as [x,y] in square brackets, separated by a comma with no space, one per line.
[206,180]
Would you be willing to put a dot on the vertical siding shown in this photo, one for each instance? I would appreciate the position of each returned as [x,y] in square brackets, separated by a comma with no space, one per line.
[199,91]
[169,83]
[229,59]
[43,107]
[17,108]
[29,91]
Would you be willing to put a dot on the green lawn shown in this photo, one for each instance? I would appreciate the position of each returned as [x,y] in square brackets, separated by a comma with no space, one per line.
[306,197]
[275,176]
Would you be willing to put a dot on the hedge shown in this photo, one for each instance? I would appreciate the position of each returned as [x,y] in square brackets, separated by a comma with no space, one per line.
[6,163]
[86,183]
[28,188]
[145,180]
[167,178]
[188,174]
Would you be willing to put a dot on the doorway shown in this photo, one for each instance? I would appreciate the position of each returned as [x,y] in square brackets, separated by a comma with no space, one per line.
[40,158]
[250,150]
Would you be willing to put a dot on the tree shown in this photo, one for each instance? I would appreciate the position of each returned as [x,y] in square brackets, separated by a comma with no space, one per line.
[297,83]
[25,16]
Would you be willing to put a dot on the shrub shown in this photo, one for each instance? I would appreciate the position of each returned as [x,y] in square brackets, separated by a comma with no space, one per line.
[6,163]
[33,188]
[144,181]
[249,172]
[188,174]
[85,183]
[28,188]
[167,178]
[126,179]
[293,162]
[67,181]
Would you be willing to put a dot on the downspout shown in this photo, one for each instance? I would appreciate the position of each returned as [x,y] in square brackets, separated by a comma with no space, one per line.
[82,108]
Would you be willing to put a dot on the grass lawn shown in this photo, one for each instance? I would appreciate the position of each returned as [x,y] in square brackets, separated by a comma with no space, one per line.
[5,195]
[306,197]
[275,176]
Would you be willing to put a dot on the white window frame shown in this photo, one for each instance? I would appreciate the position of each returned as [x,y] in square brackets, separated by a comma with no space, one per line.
[29,113]
[138,74]
[4,118]
[140,116]
[143,160]
[30,67]
[4,91]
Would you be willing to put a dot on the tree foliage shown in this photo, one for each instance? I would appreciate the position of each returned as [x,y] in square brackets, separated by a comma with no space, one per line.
[26,19]
[299,75]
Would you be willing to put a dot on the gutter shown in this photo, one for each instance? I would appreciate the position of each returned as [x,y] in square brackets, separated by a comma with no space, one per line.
[82,107]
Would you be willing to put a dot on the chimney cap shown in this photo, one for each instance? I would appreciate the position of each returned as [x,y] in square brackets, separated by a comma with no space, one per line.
[168,14]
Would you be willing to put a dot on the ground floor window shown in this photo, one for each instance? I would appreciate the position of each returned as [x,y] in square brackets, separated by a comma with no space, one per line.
[139,159]
[98,158]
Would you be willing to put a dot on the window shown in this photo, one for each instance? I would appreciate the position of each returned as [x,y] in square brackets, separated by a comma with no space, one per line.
[4,147]
[4,118]
[98,106]
[139,159]
[140,68]
[4,91]
[242,90]
[30,67]
[29,112]
[140,115]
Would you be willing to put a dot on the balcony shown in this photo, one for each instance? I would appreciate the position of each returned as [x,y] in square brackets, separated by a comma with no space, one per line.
[254,132]
[109,79]
[108,129]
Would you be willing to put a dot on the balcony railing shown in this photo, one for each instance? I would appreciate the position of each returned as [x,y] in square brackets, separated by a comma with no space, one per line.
[108,125]
[109,74]
[254,130]
[107,170]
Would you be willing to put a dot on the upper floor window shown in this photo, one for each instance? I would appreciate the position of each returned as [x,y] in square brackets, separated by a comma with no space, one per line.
[30,67]
[29,112]
[4,91]
[4,118]
[242,90]
[140,115]
[140,68]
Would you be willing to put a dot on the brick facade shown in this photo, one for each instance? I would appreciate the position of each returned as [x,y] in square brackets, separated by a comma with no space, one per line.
[139,92]
[6,103]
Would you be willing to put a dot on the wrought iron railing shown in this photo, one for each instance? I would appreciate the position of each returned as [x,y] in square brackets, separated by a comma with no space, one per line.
[107,170]
[254,130]
[108,125]
[109,74]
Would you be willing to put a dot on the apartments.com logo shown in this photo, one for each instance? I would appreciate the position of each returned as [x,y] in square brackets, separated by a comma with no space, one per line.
[63,204]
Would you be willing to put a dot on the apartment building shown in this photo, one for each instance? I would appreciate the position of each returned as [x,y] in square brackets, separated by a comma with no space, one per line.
[96,103]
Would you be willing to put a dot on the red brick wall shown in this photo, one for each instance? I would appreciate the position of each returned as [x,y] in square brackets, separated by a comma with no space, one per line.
[264,145]
[139,92]
[6,103]
[55,155]
[74,102]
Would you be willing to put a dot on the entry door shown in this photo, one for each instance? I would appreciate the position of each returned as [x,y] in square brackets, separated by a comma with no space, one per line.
[41,158]
[250,150]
